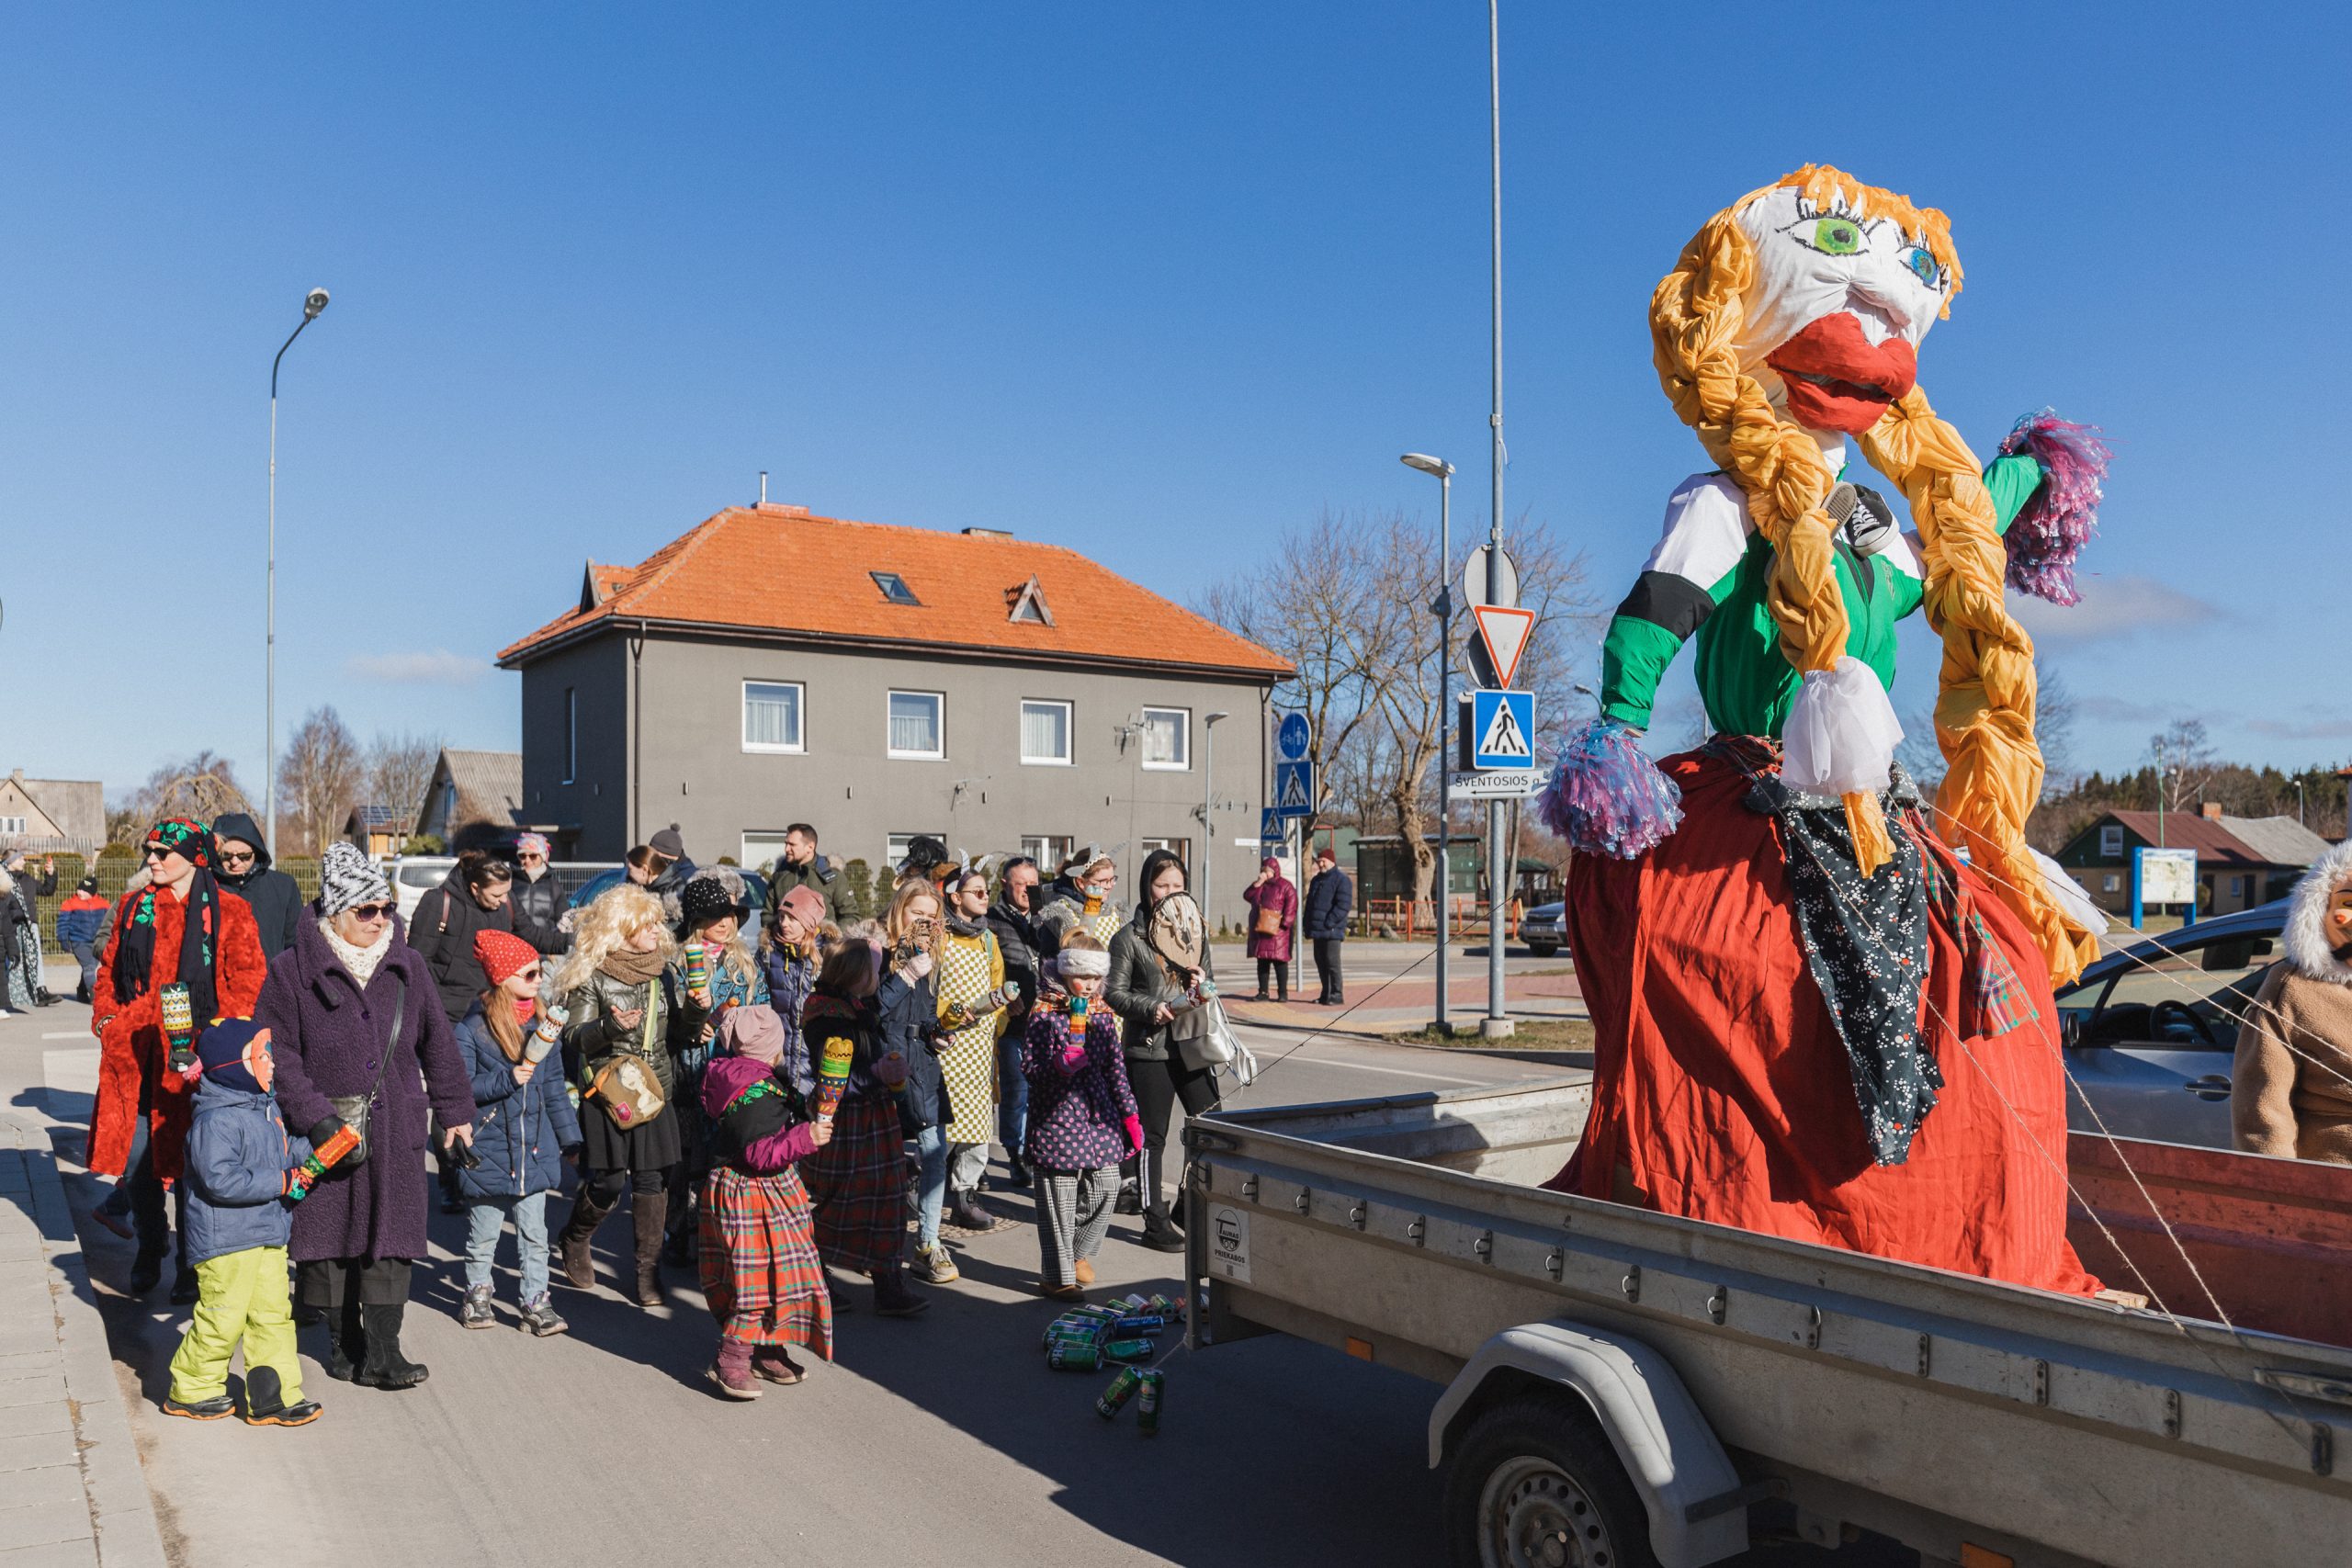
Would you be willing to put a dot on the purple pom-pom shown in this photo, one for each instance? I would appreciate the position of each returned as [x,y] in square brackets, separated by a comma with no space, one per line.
[1606,796]
[2063,514]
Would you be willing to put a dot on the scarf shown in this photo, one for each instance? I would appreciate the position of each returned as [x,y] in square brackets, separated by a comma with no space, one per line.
[631,967]
[959,926]
[199,936]
[360,961]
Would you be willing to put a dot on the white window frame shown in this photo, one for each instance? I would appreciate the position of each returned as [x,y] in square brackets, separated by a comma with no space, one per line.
[13,825]
[1070,733]
[2111,840]
[892,751]
[572,735]
[2114,883]
[1181,848]
[1049,850]
[798,744]
[1184,734]
[770,847]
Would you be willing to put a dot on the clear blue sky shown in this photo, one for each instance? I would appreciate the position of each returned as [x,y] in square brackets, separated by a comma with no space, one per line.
[1152,281]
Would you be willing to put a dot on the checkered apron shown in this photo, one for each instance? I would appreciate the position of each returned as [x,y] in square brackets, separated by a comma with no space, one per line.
[967,1057]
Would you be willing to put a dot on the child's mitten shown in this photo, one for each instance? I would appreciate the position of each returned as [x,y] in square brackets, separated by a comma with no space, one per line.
[1135,1133]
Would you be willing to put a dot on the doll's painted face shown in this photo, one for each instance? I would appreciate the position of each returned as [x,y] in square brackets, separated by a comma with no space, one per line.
[1833,320]
[2339,921]
[257,1060]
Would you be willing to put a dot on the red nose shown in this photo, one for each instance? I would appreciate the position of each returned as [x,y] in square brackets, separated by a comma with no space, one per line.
[1837,378]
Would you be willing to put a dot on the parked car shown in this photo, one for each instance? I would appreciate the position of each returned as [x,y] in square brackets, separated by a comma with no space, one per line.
[2150,1031]
[1544,928]
[413,876]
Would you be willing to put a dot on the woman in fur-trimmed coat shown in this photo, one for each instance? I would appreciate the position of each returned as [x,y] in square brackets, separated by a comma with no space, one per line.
[2290,1088]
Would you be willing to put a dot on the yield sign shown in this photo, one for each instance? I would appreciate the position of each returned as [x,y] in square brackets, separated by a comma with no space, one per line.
[1504,631]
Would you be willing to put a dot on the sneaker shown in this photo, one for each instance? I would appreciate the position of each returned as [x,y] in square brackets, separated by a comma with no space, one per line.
[302,1413]
[540,1317]
[932,1266]
[202,1409]
[474,1311]
[1161,1236]
[774,1364]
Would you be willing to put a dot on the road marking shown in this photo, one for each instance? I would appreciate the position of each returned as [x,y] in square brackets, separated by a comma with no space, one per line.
[70,1034]
[1394,1072]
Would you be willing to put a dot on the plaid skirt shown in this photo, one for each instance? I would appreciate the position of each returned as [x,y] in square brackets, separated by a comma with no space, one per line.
[858,1183]
[760,1270]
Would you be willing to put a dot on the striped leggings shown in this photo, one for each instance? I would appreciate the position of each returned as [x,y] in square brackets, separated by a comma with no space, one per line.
[1073,1216]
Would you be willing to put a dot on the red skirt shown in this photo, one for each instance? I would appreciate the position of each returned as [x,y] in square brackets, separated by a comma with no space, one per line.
[758,1257]
[1722,1091]
[858,1183]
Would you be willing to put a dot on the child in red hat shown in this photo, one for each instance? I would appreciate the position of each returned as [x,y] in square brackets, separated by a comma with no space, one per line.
[526,1128]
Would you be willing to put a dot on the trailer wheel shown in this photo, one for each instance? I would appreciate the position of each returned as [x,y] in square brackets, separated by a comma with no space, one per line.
[1533,1483]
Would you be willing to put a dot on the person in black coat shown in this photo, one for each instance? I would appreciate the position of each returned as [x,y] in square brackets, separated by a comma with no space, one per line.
[538,902]
[1013,919]
[1330,897]
[245,870]
[475,897]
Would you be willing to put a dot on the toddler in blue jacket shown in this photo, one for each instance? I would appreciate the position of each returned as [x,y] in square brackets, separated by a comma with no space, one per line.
[240,1163]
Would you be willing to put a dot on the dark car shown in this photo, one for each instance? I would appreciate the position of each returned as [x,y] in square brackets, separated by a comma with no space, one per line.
[1544,928]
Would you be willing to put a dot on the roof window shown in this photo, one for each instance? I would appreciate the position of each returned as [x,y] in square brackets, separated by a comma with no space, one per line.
[1028,603]
[894,588]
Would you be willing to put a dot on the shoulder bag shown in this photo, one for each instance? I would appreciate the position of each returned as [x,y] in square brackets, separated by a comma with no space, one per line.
[627,1088]
[353,1110]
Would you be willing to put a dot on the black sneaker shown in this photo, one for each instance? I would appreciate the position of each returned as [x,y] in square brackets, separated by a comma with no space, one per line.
[540,1317]
[302,1413]
[202,1410]
[1161,1236]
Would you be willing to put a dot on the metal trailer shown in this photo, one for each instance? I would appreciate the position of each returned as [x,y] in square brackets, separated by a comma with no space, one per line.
[1624,1388]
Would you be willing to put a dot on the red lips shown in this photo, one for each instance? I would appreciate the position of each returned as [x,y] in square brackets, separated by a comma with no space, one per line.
[1837,378]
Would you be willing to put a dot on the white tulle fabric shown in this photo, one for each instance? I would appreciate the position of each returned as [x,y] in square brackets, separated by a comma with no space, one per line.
[1841,733]
[2069,895]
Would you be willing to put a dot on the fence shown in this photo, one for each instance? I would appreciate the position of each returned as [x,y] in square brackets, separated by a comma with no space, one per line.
[1414,918]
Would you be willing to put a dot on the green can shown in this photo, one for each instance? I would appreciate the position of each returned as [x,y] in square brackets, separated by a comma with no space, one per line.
[1073,1356]
[1138,1349]
[1073,1336]
[1150,1394]
[1071,1327]
[1115,1398]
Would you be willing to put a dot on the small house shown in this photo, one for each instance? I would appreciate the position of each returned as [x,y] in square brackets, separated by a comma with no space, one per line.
[2241,861]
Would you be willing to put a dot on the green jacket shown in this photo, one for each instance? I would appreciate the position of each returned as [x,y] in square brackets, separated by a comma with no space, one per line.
[1706,580]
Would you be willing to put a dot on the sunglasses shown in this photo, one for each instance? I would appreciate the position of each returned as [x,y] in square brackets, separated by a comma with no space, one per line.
[231,857]
[530,974]
[159,852]
[374,912]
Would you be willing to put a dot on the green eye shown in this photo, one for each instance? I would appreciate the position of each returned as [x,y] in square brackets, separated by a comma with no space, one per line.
[1836,236]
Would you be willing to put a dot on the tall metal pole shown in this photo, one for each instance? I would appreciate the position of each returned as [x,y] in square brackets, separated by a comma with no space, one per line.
[1444,722]
[1496,1025]
[1208,824]
[314,302]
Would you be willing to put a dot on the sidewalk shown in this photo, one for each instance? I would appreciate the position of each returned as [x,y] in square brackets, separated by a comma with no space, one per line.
[71,1489]
[1379,1005]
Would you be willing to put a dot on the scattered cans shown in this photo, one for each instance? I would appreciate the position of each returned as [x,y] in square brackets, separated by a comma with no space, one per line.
[1151,1395]
[1137,1349]
[1074,1356]
[1115,1398]
[1140,1323]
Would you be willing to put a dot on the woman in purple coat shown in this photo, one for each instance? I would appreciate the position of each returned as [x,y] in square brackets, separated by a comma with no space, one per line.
[352,1010]
[1273,902]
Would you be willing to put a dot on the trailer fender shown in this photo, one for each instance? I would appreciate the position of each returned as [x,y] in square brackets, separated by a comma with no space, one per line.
[1698,1510]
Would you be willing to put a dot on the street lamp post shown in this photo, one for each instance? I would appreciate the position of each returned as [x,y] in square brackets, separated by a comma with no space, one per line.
[313,303]
[1209,817]
[1496,1026]
[1442,608]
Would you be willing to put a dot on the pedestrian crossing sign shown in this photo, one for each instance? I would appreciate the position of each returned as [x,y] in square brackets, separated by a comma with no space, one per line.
[1294,789]
[1502,731]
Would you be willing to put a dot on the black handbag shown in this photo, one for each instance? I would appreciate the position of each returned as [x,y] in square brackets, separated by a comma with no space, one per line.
[352,1109]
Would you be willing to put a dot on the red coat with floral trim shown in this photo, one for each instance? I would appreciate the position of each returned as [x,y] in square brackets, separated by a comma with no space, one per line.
[130,1035]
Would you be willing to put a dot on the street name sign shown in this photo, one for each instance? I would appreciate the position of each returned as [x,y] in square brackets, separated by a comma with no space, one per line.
[1509,784]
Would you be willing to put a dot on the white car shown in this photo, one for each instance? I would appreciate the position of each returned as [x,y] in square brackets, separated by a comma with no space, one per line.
[413,876]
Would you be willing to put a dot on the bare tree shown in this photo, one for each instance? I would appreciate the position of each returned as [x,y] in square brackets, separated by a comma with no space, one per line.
[2184,761]
[400,770]
[200,788]
[321,776]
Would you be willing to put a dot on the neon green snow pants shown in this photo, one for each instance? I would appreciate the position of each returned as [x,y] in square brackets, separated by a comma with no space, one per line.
[243,1296]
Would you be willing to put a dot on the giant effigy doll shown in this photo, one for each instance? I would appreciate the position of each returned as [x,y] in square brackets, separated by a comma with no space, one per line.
[1823,1002]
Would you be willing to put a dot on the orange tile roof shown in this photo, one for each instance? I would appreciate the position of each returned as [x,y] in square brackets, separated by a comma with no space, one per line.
[780,569]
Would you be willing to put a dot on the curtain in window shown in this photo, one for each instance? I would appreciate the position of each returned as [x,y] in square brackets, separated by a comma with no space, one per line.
[914,722]
[770,715]
[1045,732]
[1163,739]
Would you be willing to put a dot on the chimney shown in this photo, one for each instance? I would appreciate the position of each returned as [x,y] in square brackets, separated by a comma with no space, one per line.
[2210,811]
[764,486]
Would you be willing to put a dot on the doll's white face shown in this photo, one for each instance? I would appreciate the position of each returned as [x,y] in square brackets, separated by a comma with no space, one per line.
[1833,321]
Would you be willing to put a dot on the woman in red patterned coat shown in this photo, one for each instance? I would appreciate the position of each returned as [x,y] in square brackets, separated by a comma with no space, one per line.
[183,926]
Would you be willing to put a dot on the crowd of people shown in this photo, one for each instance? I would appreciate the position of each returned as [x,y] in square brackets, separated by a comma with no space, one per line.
[777,1091]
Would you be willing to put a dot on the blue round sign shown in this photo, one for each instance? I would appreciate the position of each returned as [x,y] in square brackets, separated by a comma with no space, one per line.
[1293,737]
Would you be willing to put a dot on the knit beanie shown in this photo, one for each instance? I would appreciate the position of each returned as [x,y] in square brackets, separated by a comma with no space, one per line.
[706,898]
[349,878]
[753,1032]
[501,953]
[667,843]
[531,844]
[228,1049]
[87,884]
[805,902]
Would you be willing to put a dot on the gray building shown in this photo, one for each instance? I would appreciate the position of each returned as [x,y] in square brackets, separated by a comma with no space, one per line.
[770,667]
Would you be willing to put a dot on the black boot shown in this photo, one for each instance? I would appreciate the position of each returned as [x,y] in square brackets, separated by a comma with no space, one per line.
[571,1244]
[346,1341]
[146,1270]
[266,1402]
[385,1367]
[647,1212]
[1017,1173]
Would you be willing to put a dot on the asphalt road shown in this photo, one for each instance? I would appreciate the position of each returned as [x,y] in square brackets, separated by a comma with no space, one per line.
[941,1440]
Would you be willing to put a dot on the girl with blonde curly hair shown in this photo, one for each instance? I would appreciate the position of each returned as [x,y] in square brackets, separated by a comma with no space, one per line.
[623,1007]
[1788,968]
